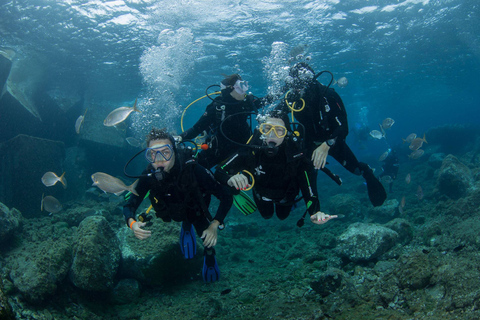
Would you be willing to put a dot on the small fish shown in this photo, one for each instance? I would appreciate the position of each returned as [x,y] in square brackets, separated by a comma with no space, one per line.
[110,184]
[298,50]
[50,179]
[417,143]
[384,155]
[226,291]
[342,82]
[119,115]
[50,204]
[79,122]
[133,142]
[387,123]
[401,205]
[419,193]
[408,178]
[416,154]
[409,138]
[377,134]
[387,179]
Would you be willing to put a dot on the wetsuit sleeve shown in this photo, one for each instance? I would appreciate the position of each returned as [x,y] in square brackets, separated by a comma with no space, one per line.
[134,201]
[202,124]
[241,160]
[339,119]
[208,184]
[308,184]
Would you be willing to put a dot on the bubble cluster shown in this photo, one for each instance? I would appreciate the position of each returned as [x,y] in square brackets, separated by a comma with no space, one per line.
[276,68]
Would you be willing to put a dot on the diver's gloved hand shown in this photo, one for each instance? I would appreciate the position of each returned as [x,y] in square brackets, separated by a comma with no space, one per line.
[321,217]
[238,181]
[139,232]
[319,156]
[209,235]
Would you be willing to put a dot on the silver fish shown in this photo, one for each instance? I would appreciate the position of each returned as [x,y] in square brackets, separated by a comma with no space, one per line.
[133,142]
[416,154]
[50,179]
[387,123]
[110,184]
[408,178]
[376,134]
[119,115]
[50,204]
[409,138]
[417,143]
[384,155]
[387,179]
[79,122]
[342,82]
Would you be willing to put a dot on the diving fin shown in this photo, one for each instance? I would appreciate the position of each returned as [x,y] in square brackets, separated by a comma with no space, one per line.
[210,271]
[376,191]
[188,242]
[244,203]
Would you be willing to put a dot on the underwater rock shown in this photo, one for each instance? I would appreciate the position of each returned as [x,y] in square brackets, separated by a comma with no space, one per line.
[454,178]
[385,212]
[403,228]
[415,269]
[96,255]
[11,222]
[5,309]
[363,242]
[126,291]
[345,204]
[328,282]
[24,160]
[436,160]
[39,268]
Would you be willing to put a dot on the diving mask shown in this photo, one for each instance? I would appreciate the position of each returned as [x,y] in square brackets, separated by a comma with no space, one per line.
[159,153]
[241,87]
[267,129]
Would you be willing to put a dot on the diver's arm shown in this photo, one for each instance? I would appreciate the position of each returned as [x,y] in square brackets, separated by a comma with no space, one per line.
[339,119]
[202,124]
[210,185]
[308,185]
[134,201]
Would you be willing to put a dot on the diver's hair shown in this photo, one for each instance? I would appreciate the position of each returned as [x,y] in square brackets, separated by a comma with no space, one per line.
[231,79]
[279,114]
[160,134]
[295,69]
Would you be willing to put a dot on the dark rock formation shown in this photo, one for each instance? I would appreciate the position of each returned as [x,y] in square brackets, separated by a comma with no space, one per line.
[5,309]
[96,255]
[363,242]
[454,178]
[403,228]
[329,282]
[385,212]
[10,220]
[436,160]
[126,291]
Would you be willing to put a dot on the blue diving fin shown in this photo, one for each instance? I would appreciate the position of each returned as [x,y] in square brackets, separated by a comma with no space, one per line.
[210,271]
[188,242]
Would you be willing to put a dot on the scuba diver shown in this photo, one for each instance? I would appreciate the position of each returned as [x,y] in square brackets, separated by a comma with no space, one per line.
[232,100]
[275,160]
[177,188]
[321,111]
[390,169]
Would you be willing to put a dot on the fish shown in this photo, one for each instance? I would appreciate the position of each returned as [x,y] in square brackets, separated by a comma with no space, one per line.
[419,193]
[119,115]
[110,184]
[416,154]
[387,179]
[50,204]
[298,50]
[401,205]
[408,178]
[387,123]
[79,122]
[417,143]
[50,179]
[342,82]
[384,155]
[376,134]
[409,138]
[133,142]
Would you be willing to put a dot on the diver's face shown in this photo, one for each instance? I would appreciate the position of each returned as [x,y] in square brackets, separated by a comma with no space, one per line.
[163,146]
[274,131]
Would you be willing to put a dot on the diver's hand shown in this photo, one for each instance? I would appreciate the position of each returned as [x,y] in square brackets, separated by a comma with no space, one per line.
[139,232]
[238,181]
[209,235]
[321,217]
[178,139]
[319,156]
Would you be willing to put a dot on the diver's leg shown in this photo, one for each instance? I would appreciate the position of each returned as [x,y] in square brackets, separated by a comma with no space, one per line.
[264,207]
[283,210]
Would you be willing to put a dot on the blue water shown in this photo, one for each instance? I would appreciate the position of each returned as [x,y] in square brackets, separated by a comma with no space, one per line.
[415,61]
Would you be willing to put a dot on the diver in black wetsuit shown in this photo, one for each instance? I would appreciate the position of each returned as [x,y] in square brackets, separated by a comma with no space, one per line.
[233,100]
[320,109]
[279,168]
[178,187]
[390,168]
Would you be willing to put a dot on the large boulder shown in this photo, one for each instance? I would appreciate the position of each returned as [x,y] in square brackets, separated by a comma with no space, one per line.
[37,270]
[454,178]
[363,242]
[96,255]
[385,212]
[10,220]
